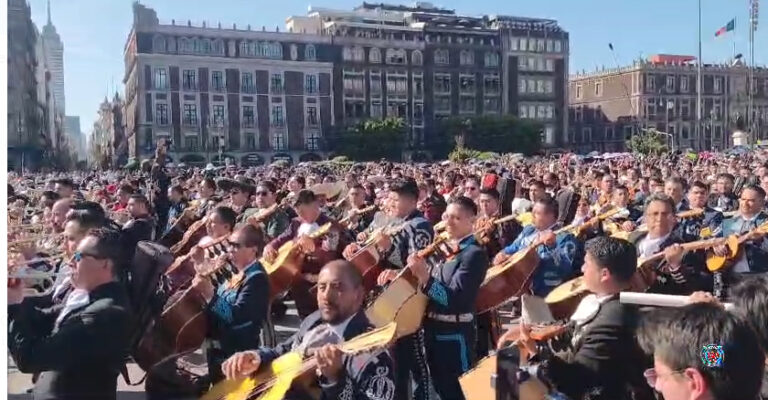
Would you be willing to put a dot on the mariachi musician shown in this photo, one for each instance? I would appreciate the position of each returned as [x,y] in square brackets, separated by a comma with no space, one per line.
[452,289]
[369,376]
[240,190]
[753,253]
[141,225]
[322,250]
[559,258]
[677,273]
[499,237]
[237,309]
[707,224]
[724,200]
[275,223]
[603,361]
[356,199]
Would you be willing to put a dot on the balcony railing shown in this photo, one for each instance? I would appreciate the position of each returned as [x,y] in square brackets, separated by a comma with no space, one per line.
[249,89]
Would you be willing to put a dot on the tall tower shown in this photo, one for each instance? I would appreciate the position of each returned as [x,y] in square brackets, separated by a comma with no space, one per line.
[53,49]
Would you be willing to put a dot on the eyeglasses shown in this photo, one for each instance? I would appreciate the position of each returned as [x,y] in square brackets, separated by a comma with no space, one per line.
[79,255]
[235,245]
[651,376]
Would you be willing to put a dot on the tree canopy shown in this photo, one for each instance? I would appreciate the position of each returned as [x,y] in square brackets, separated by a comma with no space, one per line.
[648,142]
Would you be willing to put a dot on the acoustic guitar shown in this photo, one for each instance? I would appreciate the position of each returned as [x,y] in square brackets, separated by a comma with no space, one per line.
[286,267]
[367,258]
[292,371]
[733,243]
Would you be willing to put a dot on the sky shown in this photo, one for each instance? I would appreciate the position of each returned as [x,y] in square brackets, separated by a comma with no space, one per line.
[94,31]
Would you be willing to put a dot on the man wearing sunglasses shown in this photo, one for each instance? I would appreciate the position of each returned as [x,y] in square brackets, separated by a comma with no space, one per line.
[79,351]
[702,352]
[266,197]
[236,312]
[320,250]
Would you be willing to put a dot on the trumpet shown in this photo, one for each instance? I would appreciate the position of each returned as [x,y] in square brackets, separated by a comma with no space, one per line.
[44,279]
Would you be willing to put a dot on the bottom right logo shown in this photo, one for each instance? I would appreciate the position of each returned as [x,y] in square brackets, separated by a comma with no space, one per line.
[712,355]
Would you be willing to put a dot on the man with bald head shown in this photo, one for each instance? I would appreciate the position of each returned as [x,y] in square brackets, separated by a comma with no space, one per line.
[340,317]
[59,214]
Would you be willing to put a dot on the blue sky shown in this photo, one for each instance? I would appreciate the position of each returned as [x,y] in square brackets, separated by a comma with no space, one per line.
[94,31]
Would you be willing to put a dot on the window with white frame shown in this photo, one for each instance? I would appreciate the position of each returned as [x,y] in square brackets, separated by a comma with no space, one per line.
[684,84]
[250,140]
[492,84]
[467,84]
[523,44]
[550,46]
[312,117]
[276,83]
[513,44]
[246,83]
[217,81]
[354,83]
[523,111]
[161,79]
[522,85]
[491,59]
[189,79]
[396,57]
[249,117]
[218,113]
[310,84]
[310,53]
[190,114]
[522,63]
[531,63]
[650,82]
[579,92]
[466,57]
[549,86]
[578,114]
[598,88]
[443,104]
[358,54]
[441,57]
[278,141]
[718,84]
[313,140]
[467,104]
[161,113]
[375,84]
[442,83]
[670,86]
[491,105]
[417,58]
[277,118]
[540,86]
[558,46]
[346,54]
[418,114]
[540,45]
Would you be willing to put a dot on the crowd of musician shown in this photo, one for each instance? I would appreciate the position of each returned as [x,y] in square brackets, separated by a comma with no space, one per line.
[113,267]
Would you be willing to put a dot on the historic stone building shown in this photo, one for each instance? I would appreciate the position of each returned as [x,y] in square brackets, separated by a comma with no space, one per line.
[607,107]
[256,95]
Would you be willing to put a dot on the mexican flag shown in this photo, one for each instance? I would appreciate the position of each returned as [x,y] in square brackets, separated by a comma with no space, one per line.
[727,28]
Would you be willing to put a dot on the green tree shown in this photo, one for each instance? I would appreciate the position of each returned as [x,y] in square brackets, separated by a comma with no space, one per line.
[499,134]
[648,142]
[372,139]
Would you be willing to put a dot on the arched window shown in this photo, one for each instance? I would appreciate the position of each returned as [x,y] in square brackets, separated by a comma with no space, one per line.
[184,45]
[158,44]
[310,53]
[171,45]
[358,54]
[374,56]
[346,54]
[491,59]
[207,46]
[441,57]
[218,47]
[466,57]
[417,58]
[245,49]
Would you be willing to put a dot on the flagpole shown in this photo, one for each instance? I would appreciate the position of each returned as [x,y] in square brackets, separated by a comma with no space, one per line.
[698,90]
[750,69]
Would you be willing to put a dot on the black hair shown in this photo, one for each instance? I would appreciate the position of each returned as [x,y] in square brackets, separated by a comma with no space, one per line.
[127,189]
[550,204]
[491,192]
[178,189]
[405,186]
[757,189]
[209,183]
[227,215]
[662,198]
[304,197]
[726,176]
[466,204]
[678,181]
[678,337]
[538,183]
[700,185]
[750,296]
[140,198]
[617,255]
[269,185]
[252,236]
[110,246]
